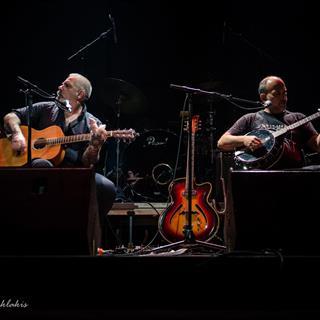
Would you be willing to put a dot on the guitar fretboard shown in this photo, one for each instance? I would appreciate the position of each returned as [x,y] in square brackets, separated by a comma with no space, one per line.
[123,134]
[296,124]
[69,139]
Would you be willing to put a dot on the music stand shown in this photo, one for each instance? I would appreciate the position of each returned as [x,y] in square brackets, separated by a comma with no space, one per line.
[189,238]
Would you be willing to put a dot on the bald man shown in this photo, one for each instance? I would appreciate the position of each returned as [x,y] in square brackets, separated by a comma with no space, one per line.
[76,89]
[253,137]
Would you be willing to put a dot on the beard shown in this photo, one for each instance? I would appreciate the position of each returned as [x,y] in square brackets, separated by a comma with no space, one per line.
[65,102]
[59,96]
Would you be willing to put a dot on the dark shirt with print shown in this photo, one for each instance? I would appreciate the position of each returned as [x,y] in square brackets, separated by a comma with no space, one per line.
[294,141]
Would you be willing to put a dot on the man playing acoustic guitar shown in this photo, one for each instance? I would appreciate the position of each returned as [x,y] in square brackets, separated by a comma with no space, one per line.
[77,122]
[274,137]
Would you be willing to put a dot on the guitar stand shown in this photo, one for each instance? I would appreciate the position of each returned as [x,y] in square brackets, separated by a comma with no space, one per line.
[190,245]
[130,214]
[189,241]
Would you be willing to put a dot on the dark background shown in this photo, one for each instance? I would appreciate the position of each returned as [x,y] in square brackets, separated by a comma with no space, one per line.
[221,46]
[228,45]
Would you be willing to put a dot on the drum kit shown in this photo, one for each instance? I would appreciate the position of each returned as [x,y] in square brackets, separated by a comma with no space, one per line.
[143,169]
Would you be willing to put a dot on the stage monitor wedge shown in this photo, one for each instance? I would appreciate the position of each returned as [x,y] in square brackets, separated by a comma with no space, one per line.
[48,211]
[275,211]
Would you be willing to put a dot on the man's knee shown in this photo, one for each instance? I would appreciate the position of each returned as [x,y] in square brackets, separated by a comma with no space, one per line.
[41,163]
[106,191]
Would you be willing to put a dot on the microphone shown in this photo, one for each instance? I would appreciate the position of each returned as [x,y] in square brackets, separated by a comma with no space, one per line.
[67,105]
[267,103]
[115,39]
[63,104]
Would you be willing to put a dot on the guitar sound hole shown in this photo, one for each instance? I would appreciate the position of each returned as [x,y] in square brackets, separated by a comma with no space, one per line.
[40,143]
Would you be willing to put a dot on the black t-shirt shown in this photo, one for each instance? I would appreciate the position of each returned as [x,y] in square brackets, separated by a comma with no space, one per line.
[294,141]
[46,114]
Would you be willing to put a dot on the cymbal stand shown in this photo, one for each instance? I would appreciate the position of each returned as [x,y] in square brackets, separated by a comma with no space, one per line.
[189,238]
[120,196]
[118,142]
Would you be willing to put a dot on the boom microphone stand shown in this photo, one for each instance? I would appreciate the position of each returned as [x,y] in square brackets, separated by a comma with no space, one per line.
[32,88]
[189,238]
[28,98]
[213,94]
[101,36]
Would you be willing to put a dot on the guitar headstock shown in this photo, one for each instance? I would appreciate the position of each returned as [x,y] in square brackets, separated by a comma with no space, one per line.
[125,134]
[195,124]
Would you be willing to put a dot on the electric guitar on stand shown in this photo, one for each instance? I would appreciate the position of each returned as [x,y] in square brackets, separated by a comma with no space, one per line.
[205,220]
[48,144]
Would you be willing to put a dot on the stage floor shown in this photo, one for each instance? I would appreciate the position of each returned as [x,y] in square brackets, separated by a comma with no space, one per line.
[237,285]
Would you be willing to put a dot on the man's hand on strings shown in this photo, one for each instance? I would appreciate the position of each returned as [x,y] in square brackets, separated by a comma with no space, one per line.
[18,142]
[99,134]
[252,142]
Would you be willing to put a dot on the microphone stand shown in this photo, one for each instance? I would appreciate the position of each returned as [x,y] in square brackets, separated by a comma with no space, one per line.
[189,238]
[189,235]
[118,144]
[28,99]
[101,36]
[228,97]
[32,88]
[118,141]
[65,106]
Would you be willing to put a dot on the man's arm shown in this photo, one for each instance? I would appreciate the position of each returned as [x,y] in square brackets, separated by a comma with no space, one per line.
[99,136]
[229,142]
[314,143]
[12,125]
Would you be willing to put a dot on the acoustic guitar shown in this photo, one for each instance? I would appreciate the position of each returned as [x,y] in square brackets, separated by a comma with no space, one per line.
[204,219]
[271,150]
[48,144]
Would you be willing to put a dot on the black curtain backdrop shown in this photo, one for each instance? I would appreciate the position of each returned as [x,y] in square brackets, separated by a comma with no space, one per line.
[222,46]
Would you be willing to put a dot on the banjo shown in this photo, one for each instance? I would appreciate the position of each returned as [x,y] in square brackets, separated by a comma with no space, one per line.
[272,147]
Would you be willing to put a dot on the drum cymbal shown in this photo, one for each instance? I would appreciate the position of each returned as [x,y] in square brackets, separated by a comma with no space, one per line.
[122,97]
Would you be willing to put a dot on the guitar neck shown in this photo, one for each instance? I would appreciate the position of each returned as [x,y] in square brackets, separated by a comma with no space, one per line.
[61,139]
[69,139]
[296,124]
[192,164]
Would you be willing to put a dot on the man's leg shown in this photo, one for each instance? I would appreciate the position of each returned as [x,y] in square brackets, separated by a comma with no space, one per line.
[106,193]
